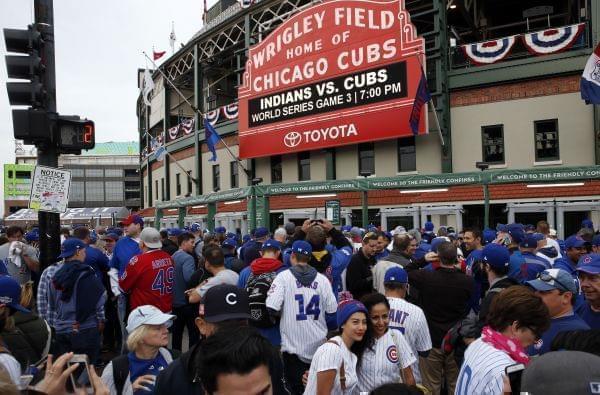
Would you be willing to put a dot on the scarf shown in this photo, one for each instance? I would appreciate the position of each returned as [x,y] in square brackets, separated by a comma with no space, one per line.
[265,265]
[512,347]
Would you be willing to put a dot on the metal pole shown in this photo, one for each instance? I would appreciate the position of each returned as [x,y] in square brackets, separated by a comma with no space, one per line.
[49,223]
[365,209]
[486,205]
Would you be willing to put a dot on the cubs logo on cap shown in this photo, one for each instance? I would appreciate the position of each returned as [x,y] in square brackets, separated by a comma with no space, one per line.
[301,247]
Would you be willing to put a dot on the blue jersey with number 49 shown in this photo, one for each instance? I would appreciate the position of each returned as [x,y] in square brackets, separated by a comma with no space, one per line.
[302,308]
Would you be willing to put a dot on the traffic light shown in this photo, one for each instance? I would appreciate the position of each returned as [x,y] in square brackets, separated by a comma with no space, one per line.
[25,67]
[75,134]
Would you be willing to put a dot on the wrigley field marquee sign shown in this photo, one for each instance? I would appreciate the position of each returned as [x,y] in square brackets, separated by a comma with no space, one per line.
[339,72]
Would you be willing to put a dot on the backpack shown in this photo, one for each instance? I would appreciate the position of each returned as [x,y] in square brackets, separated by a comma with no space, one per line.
[120,369]
[257,288]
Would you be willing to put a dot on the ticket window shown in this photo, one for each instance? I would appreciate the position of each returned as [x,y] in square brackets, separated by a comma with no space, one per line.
[406,221]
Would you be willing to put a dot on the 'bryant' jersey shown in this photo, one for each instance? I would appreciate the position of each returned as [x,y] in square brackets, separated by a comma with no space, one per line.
[148,278]
[410,320]
[382,364]
[482,370]
[303,326]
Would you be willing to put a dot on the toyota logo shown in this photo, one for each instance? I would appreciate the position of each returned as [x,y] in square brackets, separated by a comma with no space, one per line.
[292,139]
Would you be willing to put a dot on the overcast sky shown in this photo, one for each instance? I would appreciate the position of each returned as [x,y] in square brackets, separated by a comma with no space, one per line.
[99,47]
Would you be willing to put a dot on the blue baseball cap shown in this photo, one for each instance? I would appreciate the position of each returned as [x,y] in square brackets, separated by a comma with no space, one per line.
[246,238]
[174,232]
[529,228]
[574,242]
[220,229]
[502,228]
[589,264]
[10,294]
[395,274]
[33,235]
[587,223]
[551,279]
[302,247]
[111,235]
[195,227]
[231,243]
[516,232]
[346,228]
[489,235]
[230,235]
[70,247]
[529,241]
[261,232]
[428,226]
[596,240]
[496,255]
[271,244]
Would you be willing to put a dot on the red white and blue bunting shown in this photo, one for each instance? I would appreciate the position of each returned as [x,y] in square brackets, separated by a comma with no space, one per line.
[187,126]
[230,111]
[245,3]
[173,132]
[213,116]
[489,52]
[553,40]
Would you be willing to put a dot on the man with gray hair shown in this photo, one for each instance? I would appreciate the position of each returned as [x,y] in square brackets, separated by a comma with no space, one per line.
[280,235]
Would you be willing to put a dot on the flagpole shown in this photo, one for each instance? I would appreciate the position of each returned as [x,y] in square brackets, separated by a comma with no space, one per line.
[437,121]
[196,110]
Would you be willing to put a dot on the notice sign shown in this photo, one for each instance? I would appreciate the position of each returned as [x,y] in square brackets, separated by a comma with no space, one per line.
[333,211]
[340,72]
[50,189]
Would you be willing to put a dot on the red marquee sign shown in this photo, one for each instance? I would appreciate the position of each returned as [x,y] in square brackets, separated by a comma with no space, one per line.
[340,72]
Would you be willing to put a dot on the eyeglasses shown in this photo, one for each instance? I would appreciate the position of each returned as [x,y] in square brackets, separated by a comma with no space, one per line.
[545,277]
[535,332]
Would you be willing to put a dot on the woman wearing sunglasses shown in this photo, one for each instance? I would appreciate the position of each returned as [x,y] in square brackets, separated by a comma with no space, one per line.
[390,358]
[516,320]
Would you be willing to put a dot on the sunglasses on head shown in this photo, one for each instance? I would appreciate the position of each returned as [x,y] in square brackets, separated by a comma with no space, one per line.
[545,277]
[368,235]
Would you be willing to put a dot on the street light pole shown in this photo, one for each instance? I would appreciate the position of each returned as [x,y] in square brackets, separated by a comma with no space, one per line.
[486,194]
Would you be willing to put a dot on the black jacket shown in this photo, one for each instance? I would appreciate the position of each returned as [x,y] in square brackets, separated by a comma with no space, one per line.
[181,377]
[359,277]
[27,341]
[398,257]
[169,246]
[490,295]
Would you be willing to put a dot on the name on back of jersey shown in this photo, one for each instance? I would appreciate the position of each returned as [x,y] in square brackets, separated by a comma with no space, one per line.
[313,285]
[158,263]
[398,316]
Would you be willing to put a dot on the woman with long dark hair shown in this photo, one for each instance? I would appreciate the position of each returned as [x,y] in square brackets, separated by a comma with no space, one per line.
[334,365]
[390,359]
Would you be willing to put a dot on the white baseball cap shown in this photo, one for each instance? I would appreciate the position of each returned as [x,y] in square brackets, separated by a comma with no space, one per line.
[151,238]
[147,315]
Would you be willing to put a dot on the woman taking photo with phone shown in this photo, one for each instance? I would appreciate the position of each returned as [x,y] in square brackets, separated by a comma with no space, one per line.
[390,359]
[516,320]
[135,373]
[333,367]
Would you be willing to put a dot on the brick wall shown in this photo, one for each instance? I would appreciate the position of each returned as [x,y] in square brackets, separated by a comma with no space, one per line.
[514,91]
[183,154]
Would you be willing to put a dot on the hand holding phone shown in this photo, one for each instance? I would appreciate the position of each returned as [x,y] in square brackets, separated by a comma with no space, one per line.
[514,373]
[79,376]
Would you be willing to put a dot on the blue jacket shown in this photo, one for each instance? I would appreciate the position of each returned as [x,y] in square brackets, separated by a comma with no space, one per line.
[566,264]
[184,268]
[529,266]
[125,249]
[567,323]
[97,260]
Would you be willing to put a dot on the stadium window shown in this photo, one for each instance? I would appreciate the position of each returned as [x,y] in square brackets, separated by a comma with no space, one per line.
[492,144]
[304,166]
[276,170]
[162,188]
[156,189]
[546,140]
[407,154]
[366,158]
[189,182]
[216,177]
[178,184]
[234,174]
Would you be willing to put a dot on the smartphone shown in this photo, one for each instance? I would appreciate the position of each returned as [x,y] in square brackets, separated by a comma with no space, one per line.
[80,377]
[514,373]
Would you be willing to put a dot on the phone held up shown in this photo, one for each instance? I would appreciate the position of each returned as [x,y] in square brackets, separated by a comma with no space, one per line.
[514,373]
[80,377]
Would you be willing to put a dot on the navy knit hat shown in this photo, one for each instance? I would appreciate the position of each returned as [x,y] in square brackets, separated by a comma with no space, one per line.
[348,307]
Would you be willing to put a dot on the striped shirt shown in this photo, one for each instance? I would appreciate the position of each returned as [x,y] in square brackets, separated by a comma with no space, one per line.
[410,320]
[382,364]
[329,357]
[482,370]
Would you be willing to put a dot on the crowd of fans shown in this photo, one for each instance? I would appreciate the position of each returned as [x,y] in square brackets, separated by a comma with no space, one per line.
[309,309]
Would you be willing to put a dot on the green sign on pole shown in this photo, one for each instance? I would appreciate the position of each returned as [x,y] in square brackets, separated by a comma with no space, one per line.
[332,211]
